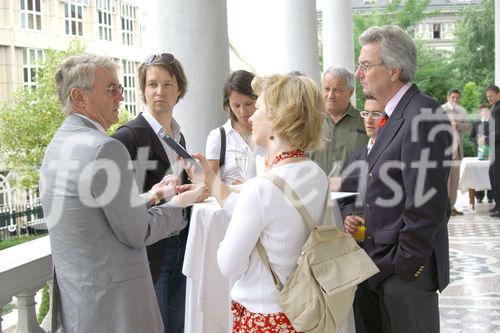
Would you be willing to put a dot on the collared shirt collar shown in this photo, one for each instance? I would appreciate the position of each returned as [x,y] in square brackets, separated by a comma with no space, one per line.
[95,123]
[228,126]
[156,126]
[351,112]
[393,102]
[369,145]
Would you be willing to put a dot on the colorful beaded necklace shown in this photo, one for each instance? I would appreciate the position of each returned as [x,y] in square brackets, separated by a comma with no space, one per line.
[285,155]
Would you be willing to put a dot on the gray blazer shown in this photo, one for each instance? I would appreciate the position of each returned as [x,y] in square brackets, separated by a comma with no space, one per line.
[98,227]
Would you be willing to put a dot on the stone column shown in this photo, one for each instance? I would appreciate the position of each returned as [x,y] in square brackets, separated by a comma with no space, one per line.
[196,33]
[300,37]
[338,45]
[26,314]
[497,42]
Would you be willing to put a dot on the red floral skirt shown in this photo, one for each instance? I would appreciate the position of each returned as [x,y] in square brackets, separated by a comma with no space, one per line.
[245,321]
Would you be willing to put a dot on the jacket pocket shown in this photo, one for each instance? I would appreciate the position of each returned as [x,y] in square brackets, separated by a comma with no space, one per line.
[128,272]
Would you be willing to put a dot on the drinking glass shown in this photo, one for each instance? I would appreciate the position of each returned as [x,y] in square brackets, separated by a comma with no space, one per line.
[241,159]
[359,236]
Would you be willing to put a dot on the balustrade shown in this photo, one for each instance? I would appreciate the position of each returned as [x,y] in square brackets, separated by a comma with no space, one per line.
[24,269]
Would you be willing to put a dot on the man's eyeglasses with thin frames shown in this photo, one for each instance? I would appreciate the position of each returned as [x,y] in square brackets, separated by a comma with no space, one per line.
[365,68]
[114,89]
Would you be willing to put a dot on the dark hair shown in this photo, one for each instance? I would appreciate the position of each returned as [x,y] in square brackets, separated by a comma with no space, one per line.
[241,82]
[454,91]
[296,73]
[493,88]
[174,68]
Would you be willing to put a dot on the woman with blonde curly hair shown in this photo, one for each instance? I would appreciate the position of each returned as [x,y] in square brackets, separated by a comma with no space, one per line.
[287,124]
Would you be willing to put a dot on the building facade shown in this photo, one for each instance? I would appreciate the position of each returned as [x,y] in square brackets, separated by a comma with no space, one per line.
[107,27]
[28,28]
[436,31]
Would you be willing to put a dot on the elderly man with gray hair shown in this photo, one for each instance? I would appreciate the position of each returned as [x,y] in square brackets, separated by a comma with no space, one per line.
[343,127]
[99,224]
[406,198]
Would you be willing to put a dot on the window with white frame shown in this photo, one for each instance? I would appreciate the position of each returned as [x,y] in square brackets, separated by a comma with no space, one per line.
[129,69]
[31,59]
[129,16]
[31,14]
[104,14]
[73,17]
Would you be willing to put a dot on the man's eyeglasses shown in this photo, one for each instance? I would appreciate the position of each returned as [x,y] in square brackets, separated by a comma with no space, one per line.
[114,89]
[366,68]
[165,57]
[373,114]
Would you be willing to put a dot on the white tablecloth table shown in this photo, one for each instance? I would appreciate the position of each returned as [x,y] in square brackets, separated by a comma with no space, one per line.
[208,292]
[474,177]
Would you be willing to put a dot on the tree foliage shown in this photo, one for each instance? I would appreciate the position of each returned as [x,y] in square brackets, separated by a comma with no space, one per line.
[433,73]
[28,122]
[402,13]
[474,57]
[470,97]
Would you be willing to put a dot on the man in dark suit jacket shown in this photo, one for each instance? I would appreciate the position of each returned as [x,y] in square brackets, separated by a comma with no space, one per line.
[354,180]
[406,202]
[480,135]
[162,83]
[354,174]
[493,96]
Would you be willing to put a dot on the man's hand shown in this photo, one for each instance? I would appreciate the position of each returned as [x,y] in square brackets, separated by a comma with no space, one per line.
[188,195]
[206,175]
[165,189]
[335,183]
[186,187]
[481,141]
[351,223]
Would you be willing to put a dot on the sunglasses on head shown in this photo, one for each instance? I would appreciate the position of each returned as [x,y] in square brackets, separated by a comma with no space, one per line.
[165,57]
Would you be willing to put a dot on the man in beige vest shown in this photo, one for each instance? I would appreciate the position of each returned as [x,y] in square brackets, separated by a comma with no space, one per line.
[458,119]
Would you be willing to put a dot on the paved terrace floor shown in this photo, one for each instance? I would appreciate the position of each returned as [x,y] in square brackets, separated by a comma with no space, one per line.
[471,303]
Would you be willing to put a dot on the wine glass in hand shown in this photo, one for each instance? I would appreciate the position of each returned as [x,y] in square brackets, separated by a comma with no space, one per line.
[241,159]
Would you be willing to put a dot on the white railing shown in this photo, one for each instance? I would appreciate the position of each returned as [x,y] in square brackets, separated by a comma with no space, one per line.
[24,269]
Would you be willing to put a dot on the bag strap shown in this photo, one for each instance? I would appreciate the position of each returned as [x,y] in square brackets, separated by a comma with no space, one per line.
[297,203]
[222,155]
[263,256]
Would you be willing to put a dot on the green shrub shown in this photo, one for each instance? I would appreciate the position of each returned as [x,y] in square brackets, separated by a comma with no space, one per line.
[468,146]
[44,306]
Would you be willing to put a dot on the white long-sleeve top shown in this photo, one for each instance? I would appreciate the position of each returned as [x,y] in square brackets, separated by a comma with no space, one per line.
[262,210]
